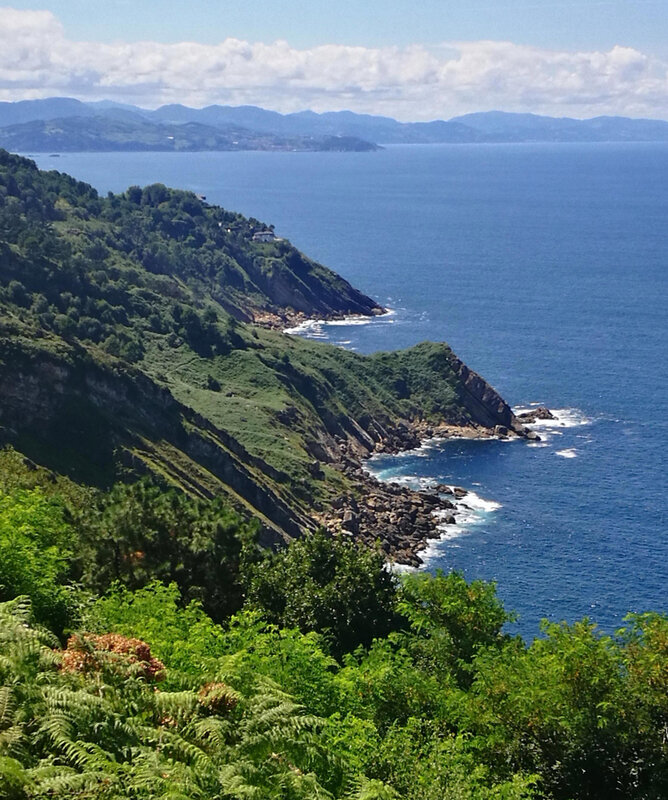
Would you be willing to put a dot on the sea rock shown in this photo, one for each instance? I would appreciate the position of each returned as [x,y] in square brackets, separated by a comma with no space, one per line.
[537,413]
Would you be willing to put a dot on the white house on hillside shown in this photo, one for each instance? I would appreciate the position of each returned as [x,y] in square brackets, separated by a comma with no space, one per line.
[265,236]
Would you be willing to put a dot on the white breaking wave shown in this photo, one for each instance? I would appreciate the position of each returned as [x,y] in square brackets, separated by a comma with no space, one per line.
[474,501]
[360,320]
[412,481]
[547,428]
[422,451]
[310,327]
[316,328]
[469,511]
[570,453]
[564,418]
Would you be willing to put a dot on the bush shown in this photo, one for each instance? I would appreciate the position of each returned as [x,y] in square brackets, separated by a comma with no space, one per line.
[140,532]
[36,556]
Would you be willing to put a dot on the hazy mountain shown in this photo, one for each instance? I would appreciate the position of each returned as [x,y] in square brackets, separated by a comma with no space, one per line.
[332,123]
[488,126]
[51,108]
[120,129]
[503,126]
[257,127]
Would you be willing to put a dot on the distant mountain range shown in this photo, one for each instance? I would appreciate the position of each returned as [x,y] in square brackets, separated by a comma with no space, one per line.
[113,132]
[65,124]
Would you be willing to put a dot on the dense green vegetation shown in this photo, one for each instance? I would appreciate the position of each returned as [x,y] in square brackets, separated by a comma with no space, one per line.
[60,542]
[316,674]
[120,260]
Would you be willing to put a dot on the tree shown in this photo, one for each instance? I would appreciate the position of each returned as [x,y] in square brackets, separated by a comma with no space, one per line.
[140,532]
[331,585]
[453,619]
[585,710]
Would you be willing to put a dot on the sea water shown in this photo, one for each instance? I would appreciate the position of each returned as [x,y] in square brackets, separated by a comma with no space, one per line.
[544,267]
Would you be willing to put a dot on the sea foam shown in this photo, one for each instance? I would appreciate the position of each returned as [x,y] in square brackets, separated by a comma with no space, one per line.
[570,453]
[470,511]
[317,328]
[564,418]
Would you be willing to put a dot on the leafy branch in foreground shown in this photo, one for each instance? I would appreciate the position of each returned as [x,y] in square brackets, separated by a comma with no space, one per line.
[422,696]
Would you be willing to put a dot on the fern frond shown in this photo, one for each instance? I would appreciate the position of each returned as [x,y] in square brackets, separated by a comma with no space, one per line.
[365,789]
[89,783]
[177,705]
[177,747]
[213,733]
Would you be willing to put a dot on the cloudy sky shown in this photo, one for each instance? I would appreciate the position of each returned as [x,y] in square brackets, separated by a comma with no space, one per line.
[413,60]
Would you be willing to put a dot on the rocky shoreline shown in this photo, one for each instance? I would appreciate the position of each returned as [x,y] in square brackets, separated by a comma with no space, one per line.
[401,520]
[286,320]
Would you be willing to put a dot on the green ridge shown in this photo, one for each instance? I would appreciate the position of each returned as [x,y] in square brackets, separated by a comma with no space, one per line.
[126,347]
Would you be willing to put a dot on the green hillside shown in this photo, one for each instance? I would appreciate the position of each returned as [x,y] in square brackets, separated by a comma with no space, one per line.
[127,131]
[126,348]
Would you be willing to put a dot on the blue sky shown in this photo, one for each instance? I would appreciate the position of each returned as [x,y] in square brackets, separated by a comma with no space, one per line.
[423,59]
[561,24]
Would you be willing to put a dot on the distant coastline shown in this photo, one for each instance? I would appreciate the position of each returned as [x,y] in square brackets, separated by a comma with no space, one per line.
[68,125]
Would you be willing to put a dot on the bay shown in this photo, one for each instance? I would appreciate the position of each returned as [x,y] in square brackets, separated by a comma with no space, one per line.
[544,267]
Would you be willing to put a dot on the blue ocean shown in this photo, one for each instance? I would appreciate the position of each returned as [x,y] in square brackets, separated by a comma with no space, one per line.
[545,268]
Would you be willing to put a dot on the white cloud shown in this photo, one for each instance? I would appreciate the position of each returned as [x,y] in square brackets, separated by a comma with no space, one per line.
[417,82]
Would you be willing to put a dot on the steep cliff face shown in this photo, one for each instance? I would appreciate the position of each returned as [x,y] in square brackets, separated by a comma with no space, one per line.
[100,420]
[484,404]
[295,282]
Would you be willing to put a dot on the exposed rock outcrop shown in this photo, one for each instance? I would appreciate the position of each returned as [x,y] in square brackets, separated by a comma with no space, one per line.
[533,416]
[485,405]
